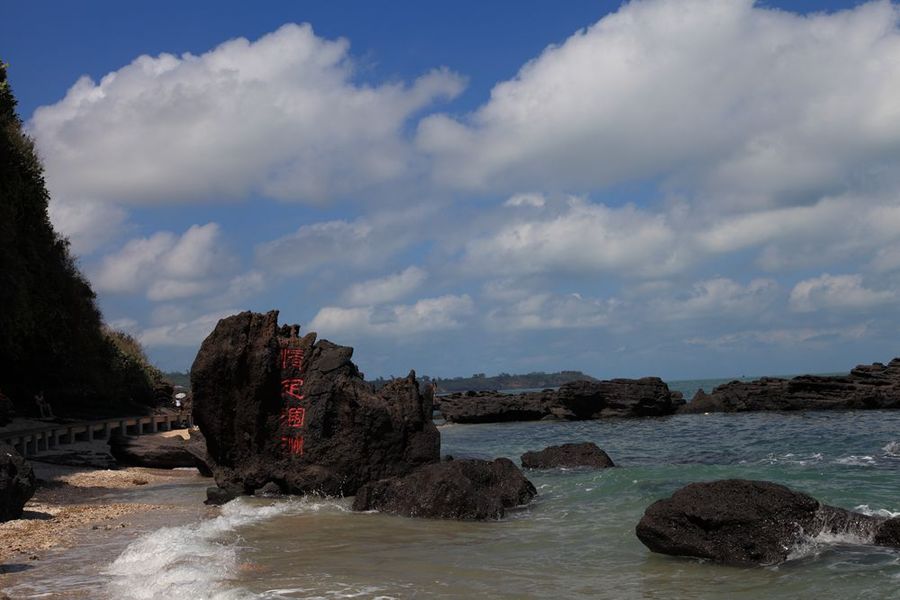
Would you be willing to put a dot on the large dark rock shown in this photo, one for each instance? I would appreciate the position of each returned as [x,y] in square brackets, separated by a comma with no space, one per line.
[468,489]
[875,386]
[7,410]
[157,452]
[17,483]
[297,413]
[736,521]
[586,454]
[577,400]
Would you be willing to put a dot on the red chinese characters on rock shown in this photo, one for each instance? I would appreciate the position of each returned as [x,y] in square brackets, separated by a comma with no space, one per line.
[293,417]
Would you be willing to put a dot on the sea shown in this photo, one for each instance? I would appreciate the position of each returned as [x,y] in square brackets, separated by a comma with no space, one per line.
[575,541]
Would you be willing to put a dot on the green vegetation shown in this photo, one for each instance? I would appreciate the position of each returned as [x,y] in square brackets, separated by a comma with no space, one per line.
[51,335]
[480,382]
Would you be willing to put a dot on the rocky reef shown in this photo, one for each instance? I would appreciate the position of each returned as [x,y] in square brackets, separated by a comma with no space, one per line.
[467,489]
[875,386]
[741,522]
[586,454]
[578,400]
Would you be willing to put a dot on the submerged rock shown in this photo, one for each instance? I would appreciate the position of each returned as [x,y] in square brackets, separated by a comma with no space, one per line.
[743,522]
[577,400]
[277,408]
[586,454]
[875,386]
[467,489]
[17,483]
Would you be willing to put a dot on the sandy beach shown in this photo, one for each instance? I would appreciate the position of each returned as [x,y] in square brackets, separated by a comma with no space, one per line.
[73,500]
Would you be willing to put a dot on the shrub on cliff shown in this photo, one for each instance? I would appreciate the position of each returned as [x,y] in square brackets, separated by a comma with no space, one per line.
[51,338]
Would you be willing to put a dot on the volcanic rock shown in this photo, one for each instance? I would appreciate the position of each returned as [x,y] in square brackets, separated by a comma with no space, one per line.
[742,522]
[155,451]
[278,408]
[467,489]
[17,483]
[586,454]
[577,400]
[875,386]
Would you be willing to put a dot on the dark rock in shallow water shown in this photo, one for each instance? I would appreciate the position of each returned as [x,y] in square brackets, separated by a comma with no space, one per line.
[468,489]
[889,533]
[875,386]
[587,454]
[736,521]
[298,413]
[17,483]
[577,400]
[156,452]
[218,496]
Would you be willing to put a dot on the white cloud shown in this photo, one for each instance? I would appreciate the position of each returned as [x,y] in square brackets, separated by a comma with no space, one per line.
[281,116]
[385,289]
[837,292]
[533,200]
[398,320]
[745,105]
[785,336]
[183,333]
[551,311]
[87,224]
[719,297]
[583,238]
[167,267]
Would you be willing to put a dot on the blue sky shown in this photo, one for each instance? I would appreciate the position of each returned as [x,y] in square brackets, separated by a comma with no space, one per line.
[687,188]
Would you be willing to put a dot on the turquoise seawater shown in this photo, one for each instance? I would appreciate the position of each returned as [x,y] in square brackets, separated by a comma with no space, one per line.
[575,541]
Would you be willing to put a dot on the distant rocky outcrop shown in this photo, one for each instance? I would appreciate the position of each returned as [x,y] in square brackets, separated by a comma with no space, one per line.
[17,483]
[578,400]
[294,412]
[467,489]
[743,522]
[875,386]
[586,454]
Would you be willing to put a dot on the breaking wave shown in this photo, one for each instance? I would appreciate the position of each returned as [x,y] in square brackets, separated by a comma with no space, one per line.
[195,561]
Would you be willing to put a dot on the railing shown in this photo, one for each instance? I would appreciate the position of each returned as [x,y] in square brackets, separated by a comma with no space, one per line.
[29,442]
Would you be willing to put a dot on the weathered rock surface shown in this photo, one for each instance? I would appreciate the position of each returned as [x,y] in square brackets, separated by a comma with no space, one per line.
[586,454]
[737,521]
[578,400]
[875,386]
[7,410]
[157,452]
[467,489]
[17,483]
[275,408]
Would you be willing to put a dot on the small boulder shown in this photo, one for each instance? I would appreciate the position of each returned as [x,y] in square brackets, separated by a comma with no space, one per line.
[469,489]
[888,533]
[17,483]
[743,522]
[586,454]
[216,496]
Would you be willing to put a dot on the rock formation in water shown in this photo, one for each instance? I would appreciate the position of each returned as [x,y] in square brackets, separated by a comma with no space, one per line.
[586,454]
[276,408]
[875,386]
[17,483]
[742,522]
[467,489]
[578,400]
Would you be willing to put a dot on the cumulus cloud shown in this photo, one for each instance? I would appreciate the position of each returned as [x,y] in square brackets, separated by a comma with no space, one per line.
[837,292]
[583,237]
[746,105]
[397,320]
[183,333]
[87,224]
[719,297]
[281,116]
[166,266]
[385,289]
[551,311]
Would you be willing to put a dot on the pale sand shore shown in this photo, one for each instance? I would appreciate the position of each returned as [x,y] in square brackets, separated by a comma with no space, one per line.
[69,500]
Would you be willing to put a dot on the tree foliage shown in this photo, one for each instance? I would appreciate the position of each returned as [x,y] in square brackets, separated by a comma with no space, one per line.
[51,334]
